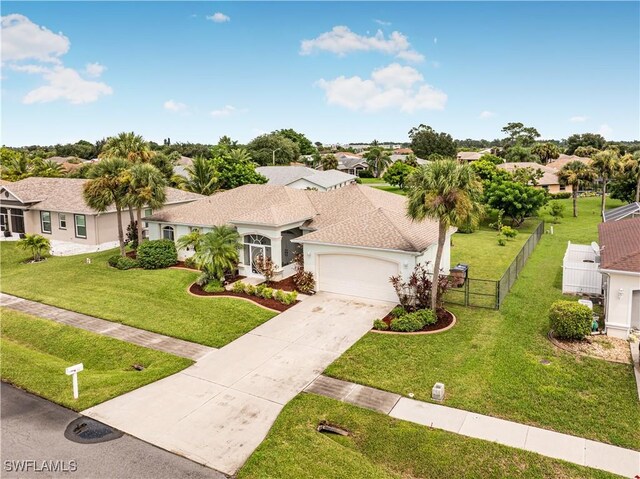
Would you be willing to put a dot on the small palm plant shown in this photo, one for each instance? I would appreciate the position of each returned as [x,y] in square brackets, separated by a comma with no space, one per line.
[216,252]
[37,244]
[576,174]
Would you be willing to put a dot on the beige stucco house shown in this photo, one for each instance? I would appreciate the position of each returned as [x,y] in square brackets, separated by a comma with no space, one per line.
[620,267]
[549,180]
[352,238]
[55,208]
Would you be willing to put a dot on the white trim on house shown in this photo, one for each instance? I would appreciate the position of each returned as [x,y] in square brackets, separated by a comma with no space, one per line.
[414,253]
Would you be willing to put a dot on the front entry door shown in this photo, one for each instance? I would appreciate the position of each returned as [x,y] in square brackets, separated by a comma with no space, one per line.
[256,251]
[17,221]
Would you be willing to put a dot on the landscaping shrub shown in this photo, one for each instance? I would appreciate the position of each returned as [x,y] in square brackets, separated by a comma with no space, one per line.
[260,290]
[509,232]
[290,298]
[214,286]
[250,290]
[190,263]
[157,254]
[570,319]
[238,287]
[380,325]
[426,316]
[203,279]
[304,280]
[502,241]
[126,263]
[365,174]
[279,295]
[113,260]
[267,293]
[560,196]
[398,311]
[406,324]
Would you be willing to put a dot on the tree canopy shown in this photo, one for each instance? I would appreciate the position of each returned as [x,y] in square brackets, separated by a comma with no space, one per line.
[265,148]
[585,139]
[519,134]
[304,144]
[517,201]
[397,174]
[425,142]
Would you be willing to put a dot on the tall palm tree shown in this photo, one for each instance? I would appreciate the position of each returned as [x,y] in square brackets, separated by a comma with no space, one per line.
[329,162]
[15,168]
[606,164]
[449,193]
[576,173]
[108,186]
[37,244]
[631,164]
[217,251]
[190,240]
[47,168]
[378,159]
[146,186]
[129,146]
[202,177]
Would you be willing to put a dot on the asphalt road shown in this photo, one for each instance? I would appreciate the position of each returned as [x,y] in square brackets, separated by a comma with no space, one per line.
[33,429]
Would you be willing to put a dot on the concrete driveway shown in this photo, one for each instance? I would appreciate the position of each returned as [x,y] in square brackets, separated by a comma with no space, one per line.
[219,410]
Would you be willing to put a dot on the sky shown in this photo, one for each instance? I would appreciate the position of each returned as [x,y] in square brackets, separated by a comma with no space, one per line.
[337,71]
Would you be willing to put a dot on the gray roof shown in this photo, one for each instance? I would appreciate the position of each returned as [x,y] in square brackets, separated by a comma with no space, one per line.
[615,214]
[400,157]
[286,175]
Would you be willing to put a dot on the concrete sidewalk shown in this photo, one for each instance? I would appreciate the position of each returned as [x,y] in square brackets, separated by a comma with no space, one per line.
[219,410]
[625,462]
[112,329]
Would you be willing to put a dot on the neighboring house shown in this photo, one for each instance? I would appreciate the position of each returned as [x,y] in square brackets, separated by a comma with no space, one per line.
[350,163]
[302,178]
[402,151]
[620,266]
[402,157]
[55,208]
[352,238]
[549,180]
[632,210]
[469,155]
[180,168]
[563,159]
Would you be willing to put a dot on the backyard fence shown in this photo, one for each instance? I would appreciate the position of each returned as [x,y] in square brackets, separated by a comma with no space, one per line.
[490,293]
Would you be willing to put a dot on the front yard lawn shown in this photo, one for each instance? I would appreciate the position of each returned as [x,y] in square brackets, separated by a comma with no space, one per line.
[35,352]
[153,300]
[491,361]
[383,447]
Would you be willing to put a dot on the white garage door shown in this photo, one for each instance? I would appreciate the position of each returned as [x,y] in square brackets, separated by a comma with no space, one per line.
[357,276]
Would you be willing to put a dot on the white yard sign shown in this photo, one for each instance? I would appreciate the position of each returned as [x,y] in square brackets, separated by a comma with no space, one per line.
[73,371]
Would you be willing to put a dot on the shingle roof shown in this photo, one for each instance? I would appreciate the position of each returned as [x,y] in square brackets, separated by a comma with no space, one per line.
[549,177]
[284,175]
[619,245]
[562,160]
[65,194]
[615,214]
[469,155]
[354,215]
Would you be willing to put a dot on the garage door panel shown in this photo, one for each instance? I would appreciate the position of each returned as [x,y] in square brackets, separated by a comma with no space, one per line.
[353,275]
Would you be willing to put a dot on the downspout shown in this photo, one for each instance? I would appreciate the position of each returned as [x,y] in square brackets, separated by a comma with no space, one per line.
[606,299]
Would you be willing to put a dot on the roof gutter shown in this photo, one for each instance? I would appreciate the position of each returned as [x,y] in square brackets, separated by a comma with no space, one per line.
[617,271]
[414,253]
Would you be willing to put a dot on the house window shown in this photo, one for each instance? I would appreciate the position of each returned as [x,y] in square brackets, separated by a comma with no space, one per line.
[148,212]
[254,246]
[81,226]
[563,187]
[194,229]
[168,233]
[62,221]
[45,221]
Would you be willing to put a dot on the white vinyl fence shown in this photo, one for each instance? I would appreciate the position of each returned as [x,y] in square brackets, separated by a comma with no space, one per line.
[580,274]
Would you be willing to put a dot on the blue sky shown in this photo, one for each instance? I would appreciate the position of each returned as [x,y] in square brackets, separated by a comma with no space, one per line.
[335,71]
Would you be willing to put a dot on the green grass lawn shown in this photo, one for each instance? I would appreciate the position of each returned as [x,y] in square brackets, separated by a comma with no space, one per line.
[383,447]
[392,189]
[153,300]
[35,352]
[374,181]
[490,361]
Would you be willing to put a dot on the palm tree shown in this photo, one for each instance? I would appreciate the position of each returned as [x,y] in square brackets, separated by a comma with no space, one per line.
[217,251]
[190,240]
[129,146]
[47,168]
[239,155]
[146,187]
[16,168]
[202,177]
[449,193]
[329,162]
[576,173]
[631,164]
[37,244]
[378,160]
[108,186]
[606,164]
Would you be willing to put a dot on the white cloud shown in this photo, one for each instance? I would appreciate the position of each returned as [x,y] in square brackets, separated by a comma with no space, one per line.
[435,40]
[219,18]
[33,69]
[226,111]
[67,84]
[486,114]
[391,87]
[606,131]
[94,70]
[24,40]
[341,40]
[176,106]
[578,119]
[382,22]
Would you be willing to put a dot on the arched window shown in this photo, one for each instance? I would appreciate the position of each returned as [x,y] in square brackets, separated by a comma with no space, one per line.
[254,246]
[168,233]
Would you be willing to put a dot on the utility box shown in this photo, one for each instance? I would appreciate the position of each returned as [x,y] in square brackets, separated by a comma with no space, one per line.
[459,274]
[437,393]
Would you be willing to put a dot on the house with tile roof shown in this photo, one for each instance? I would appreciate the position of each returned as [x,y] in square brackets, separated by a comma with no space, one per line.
[549,180]
[620,267]
[302,178]
[563,160]
[352,238]
[55,208]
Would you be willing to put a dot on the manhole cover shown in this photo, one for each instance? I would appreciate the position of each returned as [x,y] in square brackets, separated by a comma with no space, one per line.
[87,431]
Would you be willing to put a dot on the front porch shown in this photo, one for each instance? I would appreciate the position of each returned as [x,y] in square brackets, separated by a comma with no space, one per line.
[275,244]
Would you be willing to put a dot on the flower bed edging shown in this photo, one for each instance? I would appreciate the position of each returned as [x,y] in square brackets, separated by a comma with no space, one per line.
[448,327]
[279,308]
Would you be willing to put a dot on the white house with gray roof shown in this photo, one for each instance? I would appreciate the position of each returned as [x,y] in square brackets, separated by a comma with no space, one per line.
[352,238]
[303,178]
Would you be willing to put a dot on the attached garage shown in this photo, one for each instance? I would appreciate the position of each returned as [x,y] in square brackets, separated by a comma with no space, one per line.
[356,275]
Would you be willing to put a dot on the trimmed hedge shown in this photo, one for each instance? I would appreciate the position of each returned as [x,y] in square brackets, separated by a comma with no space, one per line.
[560,196]
[126,263]
[407,324]
[570,320]
[156,254]
[380,325]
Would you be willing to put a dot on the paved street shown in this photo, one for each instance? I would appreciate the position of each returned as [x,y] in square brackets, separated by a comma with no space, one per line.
[33,429]
[219,410]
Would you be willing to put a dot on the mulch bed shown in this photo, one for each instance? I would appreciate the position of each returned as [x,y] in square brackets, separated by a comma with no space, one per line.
[268,303]
[286,284]
[597,346]
[445,319]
